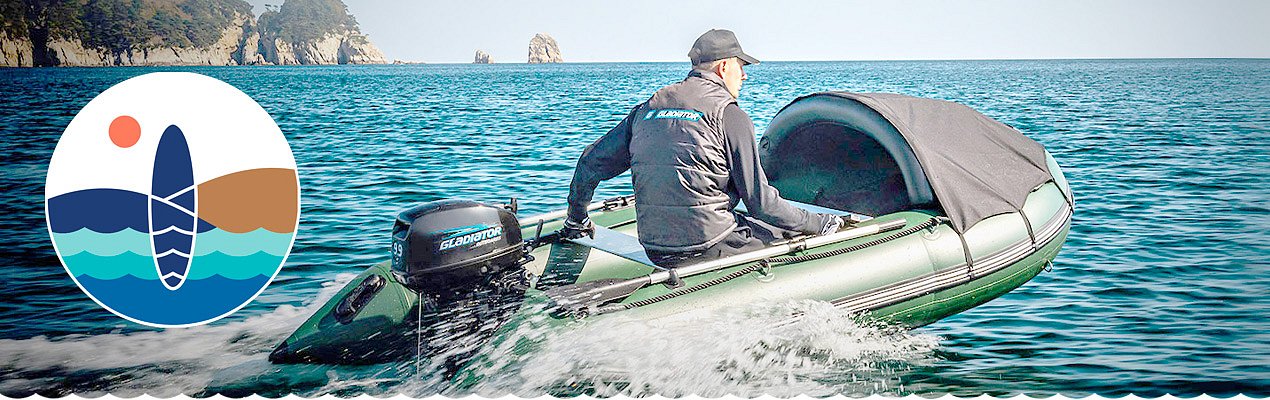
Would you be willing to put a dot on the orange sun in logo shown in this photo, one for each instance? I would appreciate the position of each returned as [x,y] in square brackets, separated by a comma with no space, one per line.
[125,131]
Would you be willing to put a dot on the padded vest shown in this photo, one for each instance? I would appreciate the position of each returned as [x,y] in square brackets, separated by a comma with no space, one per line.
[679,166]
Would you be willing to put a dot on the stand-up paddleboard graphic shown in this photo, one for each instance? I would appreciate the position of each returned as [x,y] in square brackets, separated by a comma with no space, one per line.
[172,199]
[173,205]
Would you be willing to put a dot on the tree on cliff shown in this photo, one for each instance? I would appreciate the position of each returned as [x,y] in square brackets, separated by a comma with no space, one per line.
[307,20]
[58,18]
[13,18]
[121,25]
[130,32]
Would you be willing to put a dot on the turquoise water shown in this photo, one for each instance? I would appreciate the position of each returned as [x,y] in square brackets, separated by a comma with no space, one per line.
[217,252]
[1161,287]
[212,241]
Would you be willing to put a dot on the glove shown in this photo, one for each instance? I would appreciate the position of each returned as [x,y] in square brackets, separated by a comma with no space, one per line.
[576,229]
[831,224]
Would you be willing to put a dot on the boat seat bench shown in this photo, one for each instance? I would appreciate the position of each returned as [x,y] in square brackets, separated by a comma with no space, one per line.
[628,247]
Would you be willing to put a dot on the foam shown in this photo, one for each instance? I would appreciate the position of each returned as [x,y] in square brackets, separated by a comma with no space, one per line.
[160,363]
[739,352]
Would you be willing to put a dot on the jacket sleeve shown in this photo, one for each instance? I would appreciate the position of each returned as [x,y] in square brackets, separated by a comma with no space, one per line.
[746,174]
[608,157]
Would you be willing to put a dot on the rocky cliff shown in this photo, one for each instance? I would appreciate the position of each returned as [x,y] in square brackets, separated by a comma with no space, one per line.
[180,32]
[226,50]
[482,58]
[543,49]
[303,32]
[16,51]
[344,47]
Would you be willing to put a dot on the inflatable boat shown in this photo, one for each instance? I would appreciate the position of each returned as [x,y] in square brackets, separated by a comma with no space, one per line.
[948,209]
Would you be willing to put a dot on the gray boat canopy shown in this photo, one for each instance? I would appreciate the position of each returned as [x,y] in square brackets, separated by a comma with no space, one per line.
[879,153]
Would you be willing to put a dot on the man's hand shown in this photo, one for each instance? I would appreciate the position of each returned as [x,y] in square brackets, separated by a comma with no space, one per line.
[576,229]
[830,224]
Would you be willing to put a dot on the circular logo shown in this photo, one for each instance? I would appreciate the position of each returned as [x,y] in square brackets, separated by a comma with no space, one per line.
[172,199]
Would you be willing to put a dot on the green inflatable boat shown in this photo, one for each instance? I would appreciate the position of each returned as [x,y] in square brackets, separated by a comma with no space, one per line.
[948,209]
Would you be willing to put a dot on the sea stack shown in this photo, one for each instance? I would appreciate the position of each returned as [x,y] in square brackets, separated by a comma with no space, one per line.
[543,49]
[482,58]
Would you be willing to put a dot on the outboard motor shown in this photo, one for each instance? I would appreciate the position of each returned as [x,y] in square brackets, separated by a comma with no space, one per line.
[443,247]
[454,279]
[461,257]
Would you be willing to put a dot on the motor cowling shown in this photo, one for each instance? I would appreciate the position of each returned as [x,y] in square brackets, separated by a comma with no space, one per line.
[443,247]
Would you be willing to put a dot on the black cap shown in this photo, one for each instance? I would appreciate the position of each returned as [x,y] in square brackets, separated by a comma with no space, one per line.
[718,44]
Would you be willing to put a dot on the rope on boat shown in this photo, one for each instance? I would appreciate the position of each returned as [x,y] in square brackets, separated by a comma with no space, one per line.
[667,296]
[808,257]
[766,263]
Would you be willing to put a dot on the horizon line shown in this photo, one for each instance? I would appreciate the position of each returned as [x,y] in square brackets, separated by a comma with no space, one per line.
[854,60]
[408,62]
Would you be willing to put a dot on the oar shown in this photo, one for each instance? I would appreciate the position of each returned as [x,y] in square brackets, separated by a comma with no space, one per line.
[582,298]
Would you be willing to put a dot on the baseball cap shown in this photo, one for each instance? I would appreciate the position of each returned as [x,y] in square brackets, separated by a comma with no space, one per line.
[718,44]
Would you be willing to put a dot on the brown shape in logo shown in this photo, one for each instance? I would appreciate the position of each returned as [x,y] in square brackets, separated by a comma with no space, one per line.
[248,200]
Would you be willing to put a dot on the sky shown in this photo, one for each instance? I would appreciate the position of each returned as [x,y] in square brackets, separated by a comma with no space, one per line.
[663,30]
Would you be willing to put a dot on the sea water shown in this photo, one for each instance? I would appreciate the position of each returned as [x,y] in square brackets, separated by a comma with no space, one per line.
[1161,287]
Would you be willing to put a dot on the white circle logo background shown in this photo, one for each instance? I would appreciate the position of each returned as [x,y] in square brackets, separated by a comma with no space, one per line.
[112,230]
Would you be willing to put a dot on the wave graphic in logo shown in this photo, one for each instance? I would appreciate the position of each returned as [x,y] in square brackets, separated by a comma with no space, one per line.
[163,210]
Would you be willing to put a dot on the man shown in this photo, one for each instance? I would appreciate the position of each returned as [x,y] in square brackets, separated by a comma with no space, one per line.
[693,156]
